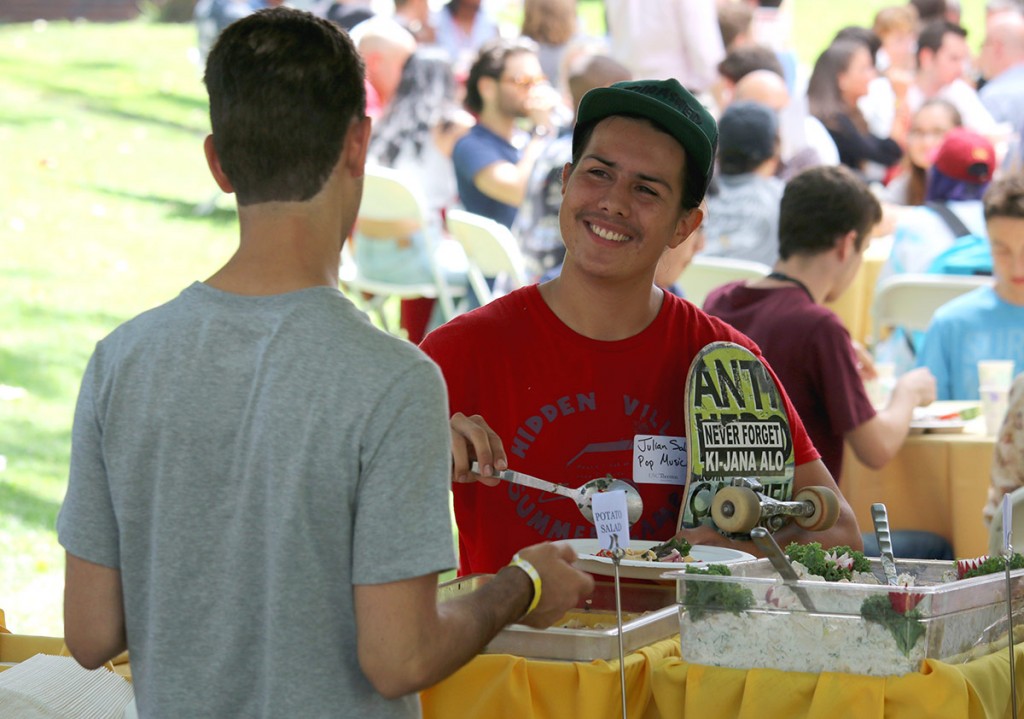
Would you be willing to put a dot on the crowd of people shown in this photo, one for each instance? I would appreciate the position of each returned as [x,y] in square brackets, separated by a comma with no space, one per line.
[293,489]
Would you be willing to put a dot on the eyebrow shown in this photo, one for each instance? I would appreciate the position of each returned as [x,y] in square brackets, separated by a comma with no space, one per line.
[646,178]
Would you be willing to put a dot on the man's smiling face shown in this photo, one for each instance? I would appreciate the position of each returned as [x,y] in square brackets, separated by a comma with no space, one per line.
[622,204]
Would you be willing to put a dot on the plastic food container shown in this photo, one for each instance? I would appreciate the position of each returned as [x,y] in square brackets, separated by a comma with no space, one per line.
[650,614]
[826,630]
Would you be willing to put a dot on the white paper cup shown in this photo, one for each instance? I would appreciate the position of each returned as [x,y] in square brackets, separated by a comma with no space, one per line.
[995,402]
[995,373]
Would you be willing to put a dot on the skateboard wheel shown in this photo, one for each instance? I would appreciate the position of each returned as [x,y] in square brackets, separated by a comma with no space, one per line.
[736,509]
[826,508]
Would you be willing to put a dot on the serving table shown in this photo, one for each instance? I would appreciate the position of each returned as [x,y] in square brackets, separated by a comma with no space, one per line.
[661,684]
[936,482]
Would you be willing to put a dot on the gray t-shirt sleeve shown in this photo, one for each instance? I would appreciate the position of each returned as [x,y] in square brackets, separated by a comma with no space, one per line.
[402,527]
[86,525]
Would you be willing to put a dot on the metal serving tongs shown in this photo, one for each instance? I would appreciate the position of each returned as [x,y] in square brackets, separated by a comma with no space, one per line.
[880,517]
[767,544]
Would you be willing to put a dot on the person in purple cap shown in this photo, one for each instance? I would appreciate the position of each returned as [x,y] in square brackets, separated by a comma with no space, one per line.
[565,379]
[952,212]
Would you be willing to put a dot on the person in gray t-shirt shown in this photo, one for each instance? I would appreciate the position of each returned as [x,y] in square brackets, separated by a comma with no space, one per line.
[258,501]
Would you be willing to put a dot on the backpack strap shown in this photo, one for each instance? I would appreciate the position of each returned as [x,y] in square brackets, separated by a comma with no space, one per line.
[949,217]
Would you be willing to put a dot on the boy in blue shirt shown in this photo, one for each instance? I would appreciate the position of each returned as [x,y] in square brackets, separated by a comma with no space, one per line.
[987,323]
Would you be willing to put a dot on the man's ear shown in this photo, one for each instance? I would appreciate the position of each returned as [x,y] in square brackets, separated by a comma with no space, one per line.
[686,226]
[487,87]
[846,244]
[566,171]
[357,142]
[213,161]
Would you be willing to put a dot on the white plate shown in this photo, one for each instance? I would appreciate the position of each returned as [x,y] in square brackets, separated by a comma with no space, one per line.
[938,426]
[588,561]
[930,419]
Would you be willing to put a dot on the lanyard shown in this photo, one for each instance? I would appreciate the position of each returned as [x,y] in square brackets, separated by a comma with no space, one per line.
[786,278]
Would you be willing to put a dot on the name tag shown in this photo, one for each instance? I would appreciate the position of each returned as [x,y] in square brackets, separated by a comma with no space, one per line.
[659,460]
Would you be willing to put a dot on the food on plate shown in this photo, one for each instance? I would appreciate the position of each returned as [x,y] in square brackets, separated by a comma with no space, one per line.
[674,550]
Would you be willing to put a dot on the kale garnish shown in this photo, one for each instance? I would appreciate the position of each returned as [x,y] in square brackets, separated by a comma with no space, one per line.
[819,561]
[702,597]
[993,564]
[906,627]
[677,543]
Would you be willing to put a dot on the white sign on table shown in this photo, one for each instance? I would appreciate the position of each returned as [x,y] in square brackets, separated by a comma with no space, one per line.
[611,517]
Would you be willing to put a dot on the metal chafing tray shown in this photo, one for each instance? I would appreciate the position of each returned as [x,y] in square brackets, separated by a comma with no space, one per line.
[649,612]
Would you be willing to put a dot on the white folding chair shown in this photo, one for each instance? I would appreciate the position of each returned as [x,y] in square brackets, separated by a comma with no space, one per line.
[705,273]
[492,252]
[908,301]
[393,197]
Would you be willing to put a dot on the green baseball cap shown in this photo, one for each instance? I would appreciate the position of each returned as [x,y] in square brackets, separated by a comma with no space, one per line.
[672,108]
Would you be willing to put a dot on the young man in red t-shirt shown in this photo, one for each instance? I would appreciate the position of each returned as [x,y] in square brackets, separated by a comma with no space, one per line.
[561,380]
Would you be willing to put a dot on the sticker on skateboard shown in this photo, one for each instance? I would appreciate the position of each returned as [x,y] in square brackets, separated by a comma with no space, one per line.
[741,462]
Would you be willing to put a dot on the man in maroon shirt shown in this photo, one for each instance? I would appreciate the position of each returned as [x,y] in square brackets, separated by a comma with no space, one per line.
[825,217]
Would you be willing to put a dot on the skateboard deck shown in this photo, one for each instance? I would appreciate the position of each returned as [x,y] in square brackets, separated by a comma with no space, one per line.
[736,428]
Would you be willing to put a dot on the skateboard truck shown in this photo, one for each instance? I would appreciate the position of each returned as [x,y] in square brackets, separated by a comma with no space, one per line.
[742,505]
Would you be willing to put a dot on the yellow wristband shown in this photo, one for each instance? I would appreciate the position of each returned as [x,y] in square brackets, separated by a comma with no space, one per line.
[531,572]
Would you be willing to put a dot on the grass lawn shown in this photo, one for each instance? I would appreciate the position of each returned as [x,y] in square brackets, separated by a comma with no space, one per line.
[101,127]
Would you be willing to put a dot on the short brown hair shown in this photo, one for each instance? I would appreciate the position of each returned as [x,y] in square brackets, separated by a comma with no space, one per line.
[895,18]
[284,87]
[1005,197]
[734,19]
[820,205]
[552,22]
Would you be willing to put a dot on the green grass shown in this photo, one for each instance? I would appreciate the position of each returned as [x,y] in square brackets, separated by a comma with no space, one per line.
[101,127]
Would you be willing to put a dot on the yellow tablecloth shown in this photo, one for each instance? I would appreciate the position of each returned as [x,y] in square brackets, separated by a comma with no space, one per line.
[854,305]
[936,482]
[660,684]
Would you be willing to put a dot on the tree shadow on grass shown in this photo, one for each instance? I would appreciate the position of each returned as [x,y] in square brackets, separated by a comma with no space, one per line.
[22,370]
[115,106]
[28,508]
[46,363]
[209,209]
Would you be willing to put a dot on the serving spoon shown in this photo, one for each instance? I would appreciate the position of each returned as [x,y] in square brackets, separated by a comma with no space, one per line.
[583,495]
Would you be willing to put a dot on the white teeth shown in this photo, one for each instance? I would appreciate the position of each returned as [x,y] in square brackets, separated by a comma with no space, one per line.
[608,235]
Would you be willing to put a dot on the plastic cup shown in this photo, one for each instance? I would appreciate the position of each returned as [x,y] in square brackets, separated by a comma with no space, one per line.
[881,387]
[995,373]
[995,402]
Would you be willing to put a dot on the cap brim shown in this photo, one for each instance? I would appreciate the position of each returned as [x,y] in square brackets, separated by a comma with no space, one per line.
[605,102]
